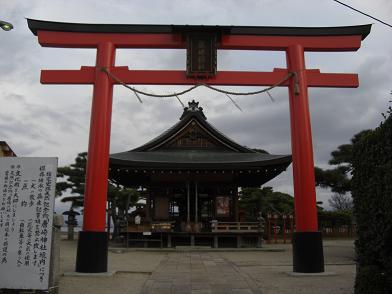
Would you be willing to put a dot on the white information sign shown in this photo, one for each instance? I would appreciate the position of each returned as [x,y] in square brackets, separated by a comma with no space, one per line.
[27,191]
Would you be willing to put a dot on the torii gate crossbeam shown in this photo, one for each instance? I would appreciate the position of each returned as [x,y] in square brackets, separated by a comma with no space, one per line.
[307,241]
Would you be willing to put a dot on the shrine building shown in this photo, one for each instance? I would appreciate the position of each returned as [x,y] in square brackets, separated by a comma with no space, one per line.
[190,176]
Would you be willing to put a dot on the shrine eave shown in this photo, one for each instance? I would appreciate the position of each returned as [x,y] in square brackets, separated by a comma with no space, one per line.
[196,160]
[36,25]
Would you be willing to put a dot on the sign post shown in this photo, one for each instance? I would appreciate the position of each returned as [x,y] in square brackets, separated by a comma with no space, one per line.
[26,219]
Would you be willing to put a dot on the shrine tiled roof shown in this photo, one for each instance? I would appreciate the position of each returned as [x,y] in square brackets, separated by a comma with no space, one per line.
[194,147]
[197,159]
[159,153]
[195,113]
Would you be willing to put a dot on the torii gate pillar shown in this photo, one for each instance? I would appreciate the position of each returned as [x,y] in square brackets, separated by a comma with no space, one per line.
[307,241]
[94,234]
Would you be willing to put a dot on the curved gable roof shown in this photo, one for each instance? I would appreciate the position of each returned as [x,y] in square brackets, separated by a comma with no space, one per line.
[190,146]
[193,113]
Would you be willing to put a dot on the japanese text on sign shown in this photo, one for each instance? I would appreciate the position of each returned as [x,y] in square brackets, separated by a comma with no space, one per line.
[26,212]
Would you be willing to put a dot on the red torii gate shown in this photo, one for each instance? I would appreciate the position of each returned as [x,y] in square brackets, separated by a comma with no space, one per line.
[307,241]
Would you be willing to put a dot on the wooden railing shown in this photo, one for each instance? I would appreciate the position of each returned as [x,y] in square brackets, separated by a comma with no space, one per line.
[344,231]
[151,227]
[236,227]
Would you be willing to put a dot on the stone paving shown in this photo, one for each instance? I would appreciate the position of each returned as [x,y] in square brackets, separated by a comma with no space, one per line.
[198,273]
[217,271]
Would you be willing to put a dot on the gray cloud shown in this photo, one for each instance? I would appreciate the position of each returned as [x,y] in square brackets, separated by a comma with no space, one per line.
[42,120]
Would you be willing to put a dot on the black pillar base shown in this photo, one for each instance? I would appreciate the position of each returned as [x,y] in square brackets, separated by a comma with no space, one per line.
[92,253]
[308,256]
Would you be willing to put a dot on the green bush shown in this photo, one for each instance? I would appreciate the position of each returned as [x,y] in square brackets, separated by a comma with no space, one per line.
[334,218]
[372,195]
[372,280]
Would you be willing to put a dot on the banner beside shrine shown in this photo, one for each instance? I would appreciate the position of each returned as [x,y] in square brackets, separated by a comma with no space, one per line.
[26,217]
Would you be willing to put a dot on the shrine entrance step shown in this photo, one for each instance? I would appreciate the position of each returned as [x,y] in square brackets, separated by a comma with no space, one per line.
[192,247]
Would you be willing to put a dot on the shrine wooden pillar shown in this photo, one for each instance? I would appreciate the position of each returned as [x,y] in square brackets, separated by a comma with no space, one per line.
[196,219]
[148,205]
[235,204]
[188,204]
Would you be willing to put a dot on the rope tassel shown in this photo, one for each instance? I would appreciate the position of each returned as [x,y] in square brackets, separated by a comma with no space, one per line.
[179,100]
[232,100]
[270,96]
[138,97]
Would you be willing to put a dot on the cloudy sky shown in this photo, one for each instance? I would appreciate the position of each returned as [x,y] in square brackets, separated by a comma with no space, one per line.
[53,120]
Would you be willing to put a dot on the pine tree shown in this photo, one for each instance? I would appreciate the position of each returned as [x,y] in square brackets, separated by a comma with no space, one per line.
[338,179]
[120,198]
